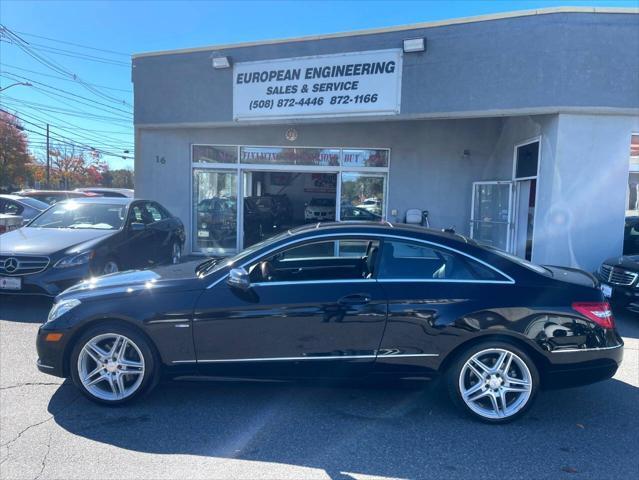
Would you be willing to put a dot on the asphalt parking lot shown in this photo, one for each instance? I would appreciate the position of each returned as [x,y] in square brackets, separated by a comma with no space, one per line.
[196,429]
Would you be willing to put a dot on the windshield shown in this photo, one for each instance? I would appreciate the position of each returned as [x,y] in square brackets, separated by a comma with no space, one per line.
[101,216]
[214,265]
[33,203]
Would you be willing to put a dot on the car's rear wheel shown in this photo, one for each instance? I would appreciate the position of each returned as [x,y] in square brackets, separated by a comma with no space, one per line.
[113,364]
[494,382]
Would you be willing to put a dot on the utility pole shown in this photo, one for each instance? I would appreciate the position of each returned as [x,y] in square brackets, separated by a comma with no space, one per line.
[48,159]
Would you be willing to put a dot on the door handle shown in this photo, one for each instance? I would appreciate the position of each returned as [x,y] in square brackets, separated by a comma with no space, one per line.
[355,299]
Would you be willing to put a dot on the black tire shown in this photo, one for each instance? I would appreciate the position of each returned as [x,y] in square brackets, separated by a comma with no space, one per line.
[455,370]
[99,269]
[175,244]
[151,374]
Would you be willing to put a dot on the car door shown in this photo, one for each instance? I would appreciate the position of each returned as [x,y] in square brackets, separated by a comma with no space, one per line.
[431,287]
[136,250]
[313,309]
[162,232]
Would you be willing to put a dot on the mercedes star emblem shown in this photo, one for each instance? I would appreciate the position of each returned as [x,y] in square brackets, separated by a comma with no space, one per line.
[11,264]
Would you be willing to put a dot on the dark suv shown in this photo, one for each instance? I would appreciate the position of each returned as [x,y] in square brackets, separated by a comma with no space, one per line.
[619,276]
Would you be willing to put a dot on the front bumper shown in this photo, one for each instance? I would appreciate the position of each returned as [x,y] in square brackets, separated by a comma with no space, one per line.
[51,281]
[623,296]
[51,355]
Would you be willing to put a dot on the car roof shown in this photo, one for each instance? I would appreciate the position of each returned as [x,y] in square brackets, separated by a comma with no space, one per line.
[11,196]
[379,227]
[110,200]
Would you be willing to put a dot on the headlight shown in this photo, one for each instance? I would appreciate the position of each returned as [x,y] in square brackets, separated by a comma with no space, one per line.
[75,260]
[62,307]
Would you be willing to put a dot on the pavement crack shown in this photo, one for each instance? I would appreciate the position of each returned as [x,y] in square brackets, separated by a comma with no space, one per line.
[34,425]
[31,384]
[43,464]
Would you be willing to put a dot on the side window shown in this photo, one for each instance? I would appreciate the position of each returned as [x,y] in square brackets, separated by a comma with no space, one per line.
[156,212]
[408,260]
[11,208]
[343,259]
[135,215]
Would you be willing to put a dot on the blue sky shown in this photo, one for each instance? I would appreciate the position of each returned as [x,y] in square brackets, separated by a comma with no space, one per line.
[129,27]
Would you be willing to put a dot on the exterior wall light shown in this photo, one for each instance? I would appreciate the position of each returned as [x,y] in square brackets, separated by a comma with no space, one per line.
[414,45]
[221,62]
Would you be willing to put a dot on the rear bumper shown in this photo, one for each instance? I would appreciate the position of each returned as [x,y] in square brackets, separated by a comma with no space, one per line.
[582,367]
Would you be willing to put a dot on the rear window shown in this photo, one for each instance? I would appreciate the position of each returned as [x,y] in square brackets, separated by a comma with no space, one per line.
[520,261]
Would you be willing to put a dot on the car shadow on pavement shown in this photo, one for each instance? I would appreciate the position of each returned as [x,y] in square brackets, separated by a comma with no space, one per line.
[388,430]
[25,308]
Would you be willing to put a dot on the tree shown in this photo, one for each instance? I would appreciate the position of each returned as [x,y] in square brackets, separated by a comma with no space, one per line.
[73,166]
[14,157]
[121,178]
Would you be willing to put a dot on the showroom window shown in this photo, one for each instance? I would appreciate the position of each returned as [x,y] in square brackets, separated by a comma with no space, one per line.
[245,194]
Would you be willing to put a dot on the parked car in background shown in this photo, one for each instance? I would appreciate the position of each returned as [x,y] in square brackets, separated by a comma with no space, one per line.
[108,192]
[356,214]
[415,303]
[320,210]
[619,276]
[28,208]
[216,218]
[53,196]
[373,205]
[9,222]
[79,238]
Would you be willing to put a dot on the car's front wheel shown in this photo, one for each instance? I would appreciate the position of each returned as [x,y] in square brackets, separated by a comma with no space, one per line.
[113,364]
[494,382]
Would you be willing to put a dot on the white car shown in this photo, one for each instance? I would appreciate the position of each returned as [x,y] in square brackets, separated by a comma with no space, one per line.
[320,210]
[373,205]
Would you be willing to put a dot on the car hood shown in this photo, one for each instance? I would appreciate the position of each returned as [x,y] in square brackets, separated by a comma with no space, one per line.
[46,241]
[320,208]
[174,277]
[627,261]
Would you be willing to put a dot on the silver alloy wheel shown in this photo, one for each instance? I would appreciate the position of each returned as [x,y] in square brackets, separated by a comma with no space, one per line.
[110,267]
[111,366]
[495,383]
[176,253]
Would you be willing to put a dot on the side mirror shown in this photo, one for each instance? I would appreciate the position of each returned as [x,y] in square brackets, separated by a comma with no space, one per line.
[137,227]
[239,278]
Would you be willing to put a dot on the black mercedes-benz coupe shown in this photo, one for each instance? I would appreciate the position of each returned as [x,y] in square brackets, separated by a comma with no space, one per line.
[341,301]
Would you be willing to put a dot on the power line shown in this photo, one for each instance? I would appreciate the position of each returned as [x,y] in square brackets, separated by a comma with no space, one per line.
[44,60]
[75,44]
[74,113]
[44,85]
[113,145]
[77,127]
[70,53]
[66,140]
[58,77]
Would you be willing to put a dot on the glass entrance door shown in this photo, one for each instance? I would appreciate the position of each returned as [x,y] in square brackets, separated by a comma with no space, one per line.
[215,211]
[491,214]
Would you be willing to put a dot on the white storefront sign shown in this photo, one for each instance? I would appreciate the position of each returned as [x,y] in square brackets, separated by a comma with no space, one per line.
[345,84]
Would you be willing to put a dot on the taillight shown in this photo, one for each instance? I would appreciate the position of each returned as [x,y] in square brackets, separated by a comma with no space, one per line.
[598,312]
